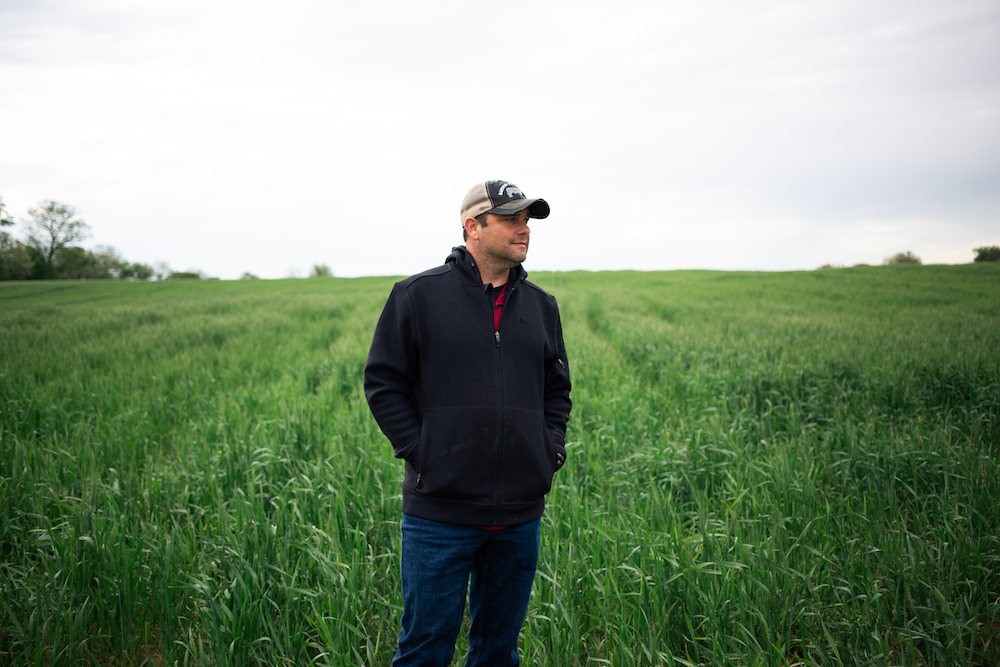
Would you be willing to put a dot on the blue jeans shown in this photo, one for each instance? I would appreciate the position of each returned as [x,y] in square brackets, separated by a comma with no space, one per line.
[438,560]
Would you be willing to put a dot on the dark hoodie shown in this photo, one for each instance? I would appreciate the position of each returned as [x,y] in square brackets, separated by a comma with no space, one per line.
[479,415]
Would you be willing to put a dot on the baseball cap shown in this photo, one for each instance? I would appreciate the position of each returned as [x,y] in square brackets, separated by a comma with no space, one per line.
[501,198]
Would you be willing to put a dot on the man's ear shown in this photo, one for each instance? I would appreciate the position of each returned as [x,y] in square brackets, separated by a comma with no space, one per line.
[472,228]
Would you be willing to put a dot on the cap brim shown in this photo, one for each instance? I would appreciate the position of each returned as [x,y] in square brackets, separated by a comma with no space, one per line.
[537,208]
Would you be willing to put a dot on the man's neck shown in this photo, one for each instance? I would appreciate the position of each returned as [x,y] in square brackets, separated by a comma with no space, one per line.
[497,279]
[492,275]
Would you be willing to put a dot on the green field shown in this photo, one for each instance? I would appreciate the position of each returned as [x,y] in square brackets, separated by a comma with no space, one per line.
[764,469]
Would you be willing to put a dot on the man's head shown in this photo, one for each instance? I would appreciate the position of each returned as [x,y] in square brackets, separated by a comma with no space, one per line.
[495,218]
[500,198]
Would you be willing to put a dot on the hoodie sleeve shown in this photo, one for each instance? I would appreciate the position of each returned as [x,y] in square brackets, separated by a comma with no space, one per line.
[557,388]
[391,373]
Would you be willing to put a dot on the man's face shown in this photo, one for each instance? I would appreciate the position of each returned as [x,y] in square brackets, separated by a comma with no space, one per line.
[504,239]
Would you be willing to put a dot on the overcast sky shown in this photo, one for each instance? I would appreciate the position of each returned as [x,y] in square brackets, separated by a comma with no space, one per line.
[265,137]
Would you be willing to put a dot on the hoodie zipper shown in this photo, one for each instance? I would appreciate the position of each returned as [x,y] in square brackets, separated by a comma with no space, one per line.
[497,498]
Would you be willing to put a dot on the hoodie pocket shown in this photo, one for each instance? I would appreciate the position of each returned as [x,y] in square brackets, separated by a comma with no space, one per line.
[457,454]
[529,459]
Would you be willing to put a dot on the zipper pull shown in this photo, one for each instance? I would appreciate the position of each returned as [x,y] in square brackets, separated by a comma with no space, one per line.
[498,338]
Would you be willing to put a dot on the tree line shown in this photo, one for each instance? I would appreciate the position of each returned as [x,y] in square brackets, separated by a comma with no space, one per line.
[990,253]
[48,250]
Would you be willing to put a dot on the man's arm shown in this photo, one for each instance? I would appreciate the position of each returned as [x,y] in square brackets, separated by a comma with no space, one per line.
[391,372]
[557,400]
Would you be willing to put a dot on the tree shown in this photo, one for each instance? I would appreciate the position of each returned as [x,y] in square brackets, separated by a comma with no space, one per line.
[5,220]
[76,263]
[136,271]
[161,270]
[989,253]
[51,228]
[108,263]
[903,258]
[321,271]
[186,275]
[15,264]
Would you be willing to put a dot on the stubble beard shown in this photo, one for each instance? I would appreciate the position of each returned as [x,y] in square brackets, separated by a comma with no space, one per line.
[514,255]
[516,252]
[507,256]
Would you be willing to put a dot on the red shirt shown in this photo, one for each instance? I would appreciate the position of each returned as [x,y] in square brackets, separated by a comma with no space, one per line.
[498,308]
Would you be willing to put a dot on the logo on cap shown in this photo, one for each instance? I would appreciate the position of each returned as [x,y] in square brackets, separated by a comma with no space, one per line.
[509,190]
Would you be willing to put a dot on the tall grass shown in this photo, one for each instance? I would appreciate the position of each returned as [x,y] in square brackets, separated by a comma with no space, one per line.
[770,469]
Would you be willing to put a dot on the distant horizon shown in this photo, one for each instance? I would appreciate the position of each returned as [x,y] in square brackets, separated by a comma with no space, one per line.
[206,277]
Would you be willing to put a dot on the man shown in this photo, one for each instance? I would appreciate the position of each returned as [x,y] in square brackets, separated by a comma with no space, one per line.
[467,377]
